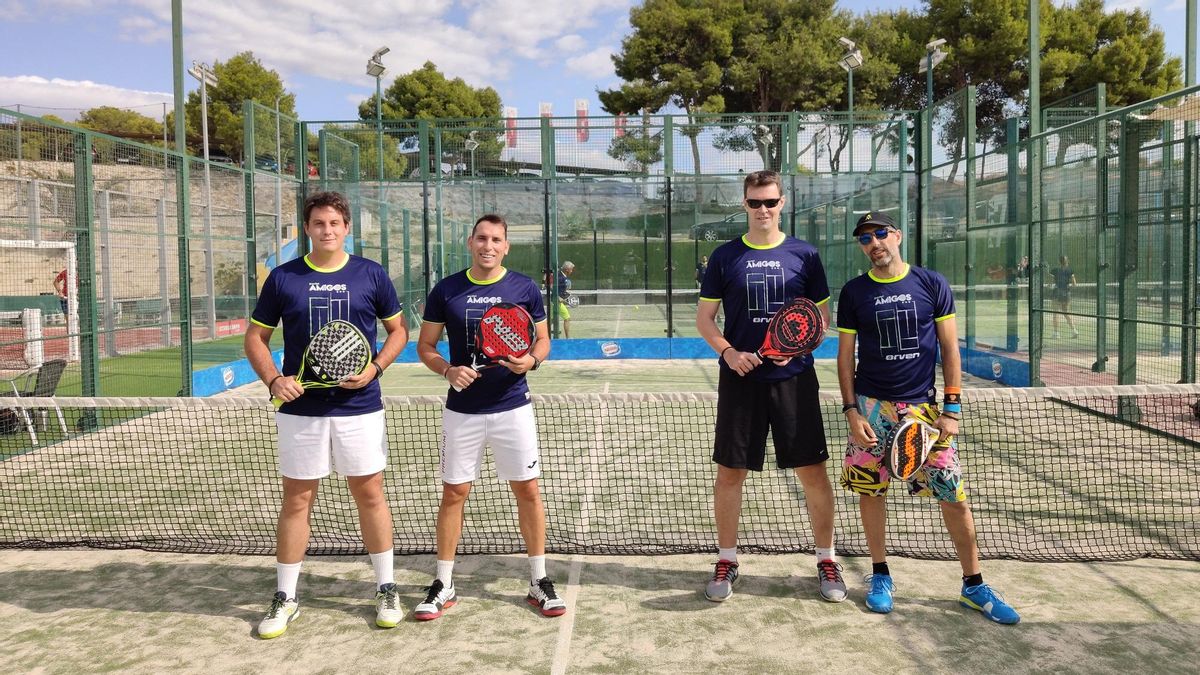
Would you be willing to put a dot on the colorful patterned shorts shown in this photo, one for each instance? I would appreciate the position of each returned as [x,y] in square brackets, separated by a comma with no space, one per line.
[864,472]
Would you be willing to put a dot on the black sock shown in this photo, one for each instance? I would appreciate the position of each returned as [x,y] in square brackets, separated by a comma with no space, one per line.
[973,580]
[880,568]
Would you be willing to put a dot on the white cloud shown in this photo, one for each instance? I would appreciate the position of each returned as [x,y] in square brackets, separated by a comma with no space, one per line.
[522,25]
[68,98]
[144,29]
[570,43]
[595,64]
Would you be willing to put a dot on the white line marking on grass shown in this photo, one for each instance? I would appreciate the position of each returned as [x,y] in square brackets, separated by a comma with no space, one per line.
[562,646]
[617,325]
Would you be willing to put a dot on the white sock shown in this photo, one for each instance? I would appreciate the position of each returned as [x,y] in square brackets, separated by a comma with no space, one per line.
[287,575]
[729,554]
[824,554]
[382,562]
[537,567]
[445,572]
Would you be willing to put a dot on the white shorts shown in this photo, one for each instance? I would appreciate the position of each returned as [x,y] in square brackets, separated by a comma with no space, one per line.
[310,446]
[512,434]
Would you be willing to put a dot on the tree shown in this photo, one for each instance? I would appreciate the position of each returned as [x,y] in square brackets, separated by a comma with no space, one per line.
[426,94]
[123,123]
[1086,46]
[239,79]
[639,147]
[676,55]
[339,155]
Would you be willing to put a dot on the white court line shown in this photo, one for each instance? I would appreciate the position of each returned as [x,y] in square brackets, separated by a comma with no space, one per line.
[617,328]
[562,646]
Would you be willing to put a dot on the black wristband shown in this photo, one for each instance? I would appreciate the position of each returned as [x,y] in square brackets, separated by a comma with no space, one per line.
[722,355]
[847,407]
[378,370]
[537,363]
[273,380]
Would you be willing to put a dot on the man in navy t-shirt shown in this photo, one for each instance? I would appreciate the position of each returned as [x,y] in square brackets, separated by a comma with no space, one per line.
[752,277]
[322,429]
[485,407]
[900,315]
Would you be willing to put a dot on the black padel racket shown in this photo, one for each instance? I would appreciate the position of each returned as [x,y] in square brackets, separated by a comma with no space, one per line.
[795,330]
[336,353]
[504,330]
[907,445]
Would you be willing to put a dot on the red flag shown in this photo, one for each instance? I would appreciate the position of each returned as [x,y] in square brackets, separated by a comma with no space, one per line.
[620,124]
[510,126]
[581,120]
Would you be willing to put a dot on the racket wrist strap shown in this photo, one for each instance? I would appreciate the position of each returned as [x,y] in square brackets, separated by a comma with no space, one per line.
[271,384]
[537,363]
[378,370]
[725,350]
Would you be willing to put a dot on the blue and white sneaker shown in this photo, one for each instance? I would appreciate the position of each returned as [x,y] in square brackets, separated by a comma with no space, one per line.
[989,602]
[879,596]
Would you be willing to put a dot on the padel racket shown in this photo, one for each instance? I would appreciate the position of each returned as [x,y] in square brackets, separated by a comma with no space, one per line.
[795,330]
[504,330]
[907,445]
[337,352]
[572,300]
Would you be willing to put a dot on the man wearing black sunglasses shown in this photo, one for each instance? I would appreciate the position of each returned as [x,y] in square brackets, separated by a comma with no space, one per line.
[900,315]
[752,277]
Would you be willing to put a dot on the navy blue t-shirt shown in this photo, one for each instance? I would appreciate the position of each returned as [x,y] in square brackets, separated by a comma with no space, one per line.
[306,298]
[458,302]
[895,322]
[752,283]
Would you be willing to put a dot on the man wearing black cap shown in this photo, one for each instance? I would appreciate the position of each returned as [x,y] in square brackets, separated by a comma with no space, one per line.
[900,315]
[752,277]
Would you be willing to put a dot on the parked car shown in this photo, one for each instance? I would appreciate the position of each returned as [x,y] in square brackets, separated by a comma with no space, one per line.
[728,227]
[266,163]
[220,156]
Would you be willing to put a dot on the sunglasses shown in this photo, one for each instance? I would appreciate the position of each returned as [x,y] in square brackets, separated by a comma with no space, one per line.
[866,237]
[759,203]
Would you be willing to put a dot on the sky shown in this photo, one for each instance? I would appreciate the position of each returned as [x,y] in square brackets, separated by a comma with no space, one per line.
[65,56]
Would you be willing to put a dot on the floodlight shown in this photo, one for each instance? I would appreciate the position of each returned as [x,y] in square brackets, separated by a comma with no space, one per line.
[933,45]
[851,60]
[847,43]
[375,68]
[380,52]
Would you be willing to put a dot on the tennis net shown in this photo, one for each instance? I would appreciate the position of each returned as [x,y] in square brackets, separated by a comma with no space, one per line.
[1088,473]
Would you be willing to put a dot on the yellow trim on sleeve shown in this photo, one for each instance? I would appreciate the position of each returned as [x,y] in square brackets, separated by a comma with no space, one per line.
[259,323]
[389,318]
[847,331]
[943,318]
[823,301]
[542,321]
[704,299]
[433,323]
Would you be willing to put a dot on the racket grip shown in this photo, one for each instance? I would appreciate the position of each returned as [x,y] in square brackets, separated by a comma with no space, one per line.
[276,401]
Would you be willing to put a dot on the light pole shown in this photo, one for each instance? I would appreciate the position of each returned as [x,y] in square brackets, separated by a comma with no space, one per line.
[278,187]
[471,145]
[933,56]
[852,60]
[207,78]
[375,69]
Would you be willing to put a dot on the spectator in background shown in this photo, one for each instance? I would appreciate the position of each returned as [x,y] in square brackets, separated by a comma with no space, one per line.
[564,295]
[60,289]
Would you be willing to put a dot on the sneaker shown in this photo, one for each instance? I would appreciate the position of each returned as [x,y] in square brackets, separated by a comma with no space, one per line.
[388,612]
[437,599]
[833,588]
[542,596]
[989,602]
[721,586]
[282,613]
[879,597]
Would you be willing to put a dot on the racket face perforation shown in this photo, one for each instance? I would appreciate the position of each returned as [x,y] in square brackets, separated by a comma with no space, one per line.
[794,330]
[338,351]
[907,446]
[505,330]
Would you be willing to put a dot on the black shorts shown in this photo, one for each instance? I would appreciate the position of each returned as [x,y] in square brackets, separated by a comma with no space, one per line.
[790,409]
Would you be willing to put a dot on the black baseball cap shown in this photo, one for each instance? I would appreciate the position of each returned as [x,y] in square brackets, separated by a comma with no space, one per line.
[876,218]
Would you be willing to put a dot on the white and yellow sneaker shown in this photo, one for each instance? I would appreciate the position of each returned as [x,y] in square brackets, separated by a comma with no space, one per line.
[283,611]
